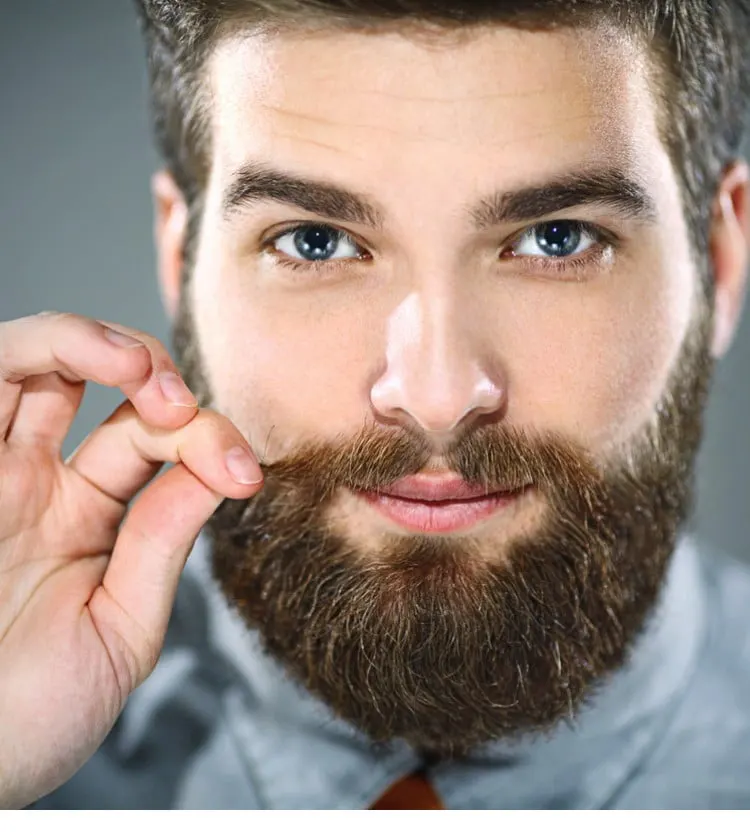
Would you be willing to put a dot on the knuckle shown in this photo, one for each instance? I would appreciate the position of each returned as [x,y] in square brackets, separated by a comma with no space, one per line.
[203,423]
[54,317]
[213,422]
[62,321]
[208,425]
[225,431]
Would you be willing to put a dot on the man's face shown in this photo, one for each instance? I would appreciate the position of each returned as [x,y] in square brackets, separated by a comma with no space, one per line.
[460,332]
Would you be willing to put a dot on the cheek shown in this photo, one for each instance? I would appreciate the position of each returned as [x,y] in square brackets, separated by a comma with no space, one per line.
[589,360]
[283,369]
[602,358]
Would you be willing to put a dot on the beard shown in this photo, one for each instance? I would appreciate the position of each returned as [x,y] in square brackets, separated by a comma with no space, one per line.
[435,639]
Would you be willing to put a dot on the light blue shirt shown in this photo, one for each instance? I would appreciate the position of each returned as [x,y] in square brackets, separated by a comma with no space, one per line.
[220,725]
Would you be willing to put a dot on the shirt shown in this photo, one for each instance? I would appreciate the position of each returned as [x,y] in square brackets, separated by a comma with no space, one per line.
[219,724]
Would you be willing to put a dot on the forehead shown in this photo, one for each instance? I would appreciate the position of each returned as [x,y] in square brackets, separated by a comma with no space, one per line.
[384,106]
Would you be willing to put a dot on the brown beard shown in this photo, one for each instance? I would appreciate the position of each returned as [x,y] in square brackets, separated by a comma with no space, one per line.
[429,639]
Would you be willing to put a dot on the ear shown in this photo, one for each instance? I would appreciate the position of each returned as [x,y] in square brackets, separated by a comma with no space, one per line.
[170,230]
[730,244]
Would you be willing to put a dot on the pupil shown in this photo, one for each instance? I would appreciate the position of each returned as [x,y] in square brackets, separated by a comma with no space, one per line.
[559,239]
[316,243]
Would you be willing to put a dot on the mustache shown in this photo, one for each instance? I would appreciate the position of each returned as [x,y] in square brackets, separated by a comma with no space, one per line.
[493,457]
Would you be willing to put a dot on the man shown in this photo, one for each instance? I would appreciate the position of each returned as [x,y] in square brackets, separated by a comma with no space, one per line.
[448,284]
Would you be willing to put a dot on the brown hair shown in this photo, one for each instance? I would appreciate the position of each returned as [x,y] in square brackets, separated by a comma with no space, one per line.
[702,67]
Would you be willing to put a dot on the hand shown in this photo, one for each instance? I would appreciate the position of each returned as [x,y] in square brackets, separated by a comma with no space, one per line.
[85,597]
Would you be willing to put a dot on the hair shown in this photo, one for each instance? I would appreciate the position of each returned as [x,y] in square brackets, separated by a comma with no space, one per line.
[701,68]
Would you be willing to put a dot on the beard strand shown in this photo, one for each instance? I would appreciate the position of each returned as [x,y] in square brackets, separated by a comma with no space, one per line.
[430,639]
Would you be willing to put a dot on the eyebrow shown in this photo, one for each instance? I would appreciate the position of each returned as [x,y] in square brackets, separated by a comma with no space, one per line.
[256,183]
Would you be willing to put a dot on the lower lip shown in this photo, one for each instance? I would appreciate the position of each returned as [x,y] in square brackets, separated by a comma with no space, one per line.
[439,517]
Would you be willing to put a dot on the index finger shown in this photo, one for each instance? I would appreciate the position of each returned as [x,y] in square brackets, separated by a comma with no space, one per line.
[77,349]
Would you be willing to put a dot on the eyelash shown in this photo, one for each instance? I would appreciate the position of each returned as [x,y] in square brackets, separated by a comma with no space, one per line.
[605,242]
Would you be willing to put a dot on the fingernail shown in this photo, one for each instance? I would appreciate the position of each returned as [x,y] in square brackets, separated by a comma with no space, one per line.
[176,391]
[242,467]
[120,339]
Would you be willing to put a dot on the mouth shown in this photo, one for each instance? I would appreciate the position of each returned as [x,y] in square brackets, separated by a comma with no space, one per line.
[439,504]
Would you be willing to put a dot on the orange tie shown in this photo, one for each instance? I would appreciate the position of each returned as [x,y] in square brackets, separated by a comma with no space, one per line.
[412,793]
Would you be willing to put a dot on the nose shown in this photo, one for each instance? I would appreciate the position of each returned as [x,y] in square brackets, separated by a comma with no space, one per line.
[435,371]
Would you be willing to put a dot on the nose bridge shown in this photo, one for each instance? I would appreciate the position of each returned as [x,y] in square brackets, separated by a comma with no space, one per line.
[443,356]
[434,367]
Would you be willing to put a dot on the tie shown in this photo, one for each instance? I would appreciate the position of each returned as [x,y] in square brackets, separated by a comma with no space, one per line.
[412,793]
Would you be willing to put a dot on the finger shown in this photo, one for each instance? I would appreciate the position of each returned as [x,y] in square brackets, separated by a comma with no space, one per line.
[79,349]
[46,409]
[132,607]
[123,454]
[74,346]
[164,387]
[10,396]
[66,346]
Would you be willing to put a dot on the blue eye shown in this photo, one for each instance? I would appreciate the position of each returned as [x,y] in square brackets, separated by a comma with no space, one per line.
[559,247]
[316,243]
[558,239]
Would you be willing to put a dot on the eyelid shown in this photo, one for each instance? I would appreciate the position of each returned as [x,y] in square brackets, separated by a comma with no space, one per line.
[606,243]
[318,266]
[293,227]
[596,232]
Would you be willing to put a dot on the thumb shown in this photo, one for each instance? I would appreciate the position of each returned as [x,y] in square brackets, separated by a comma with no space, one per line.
[133,604]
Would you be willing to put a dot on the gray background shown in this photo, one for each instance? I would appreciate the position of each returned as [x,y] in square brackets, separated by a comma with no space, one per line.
[75,214]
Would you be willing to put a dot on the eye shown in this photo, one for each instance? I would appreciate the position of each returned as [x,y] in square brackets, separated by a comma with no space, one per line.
[556,240]
[316,243]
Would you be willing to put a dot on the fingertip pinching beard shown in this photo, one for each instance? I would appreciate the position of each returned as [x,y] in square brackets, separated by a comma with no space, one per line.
[424,640]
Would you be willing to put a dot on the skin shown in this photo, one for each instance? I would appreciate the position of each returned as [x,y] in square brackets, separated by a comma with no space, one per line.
[87,587]
[440,333]
[434,332]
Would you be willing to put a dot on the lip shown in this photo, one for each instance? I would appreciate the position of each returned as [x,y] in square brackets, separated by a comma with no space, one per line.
[437,488]
[438,505]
